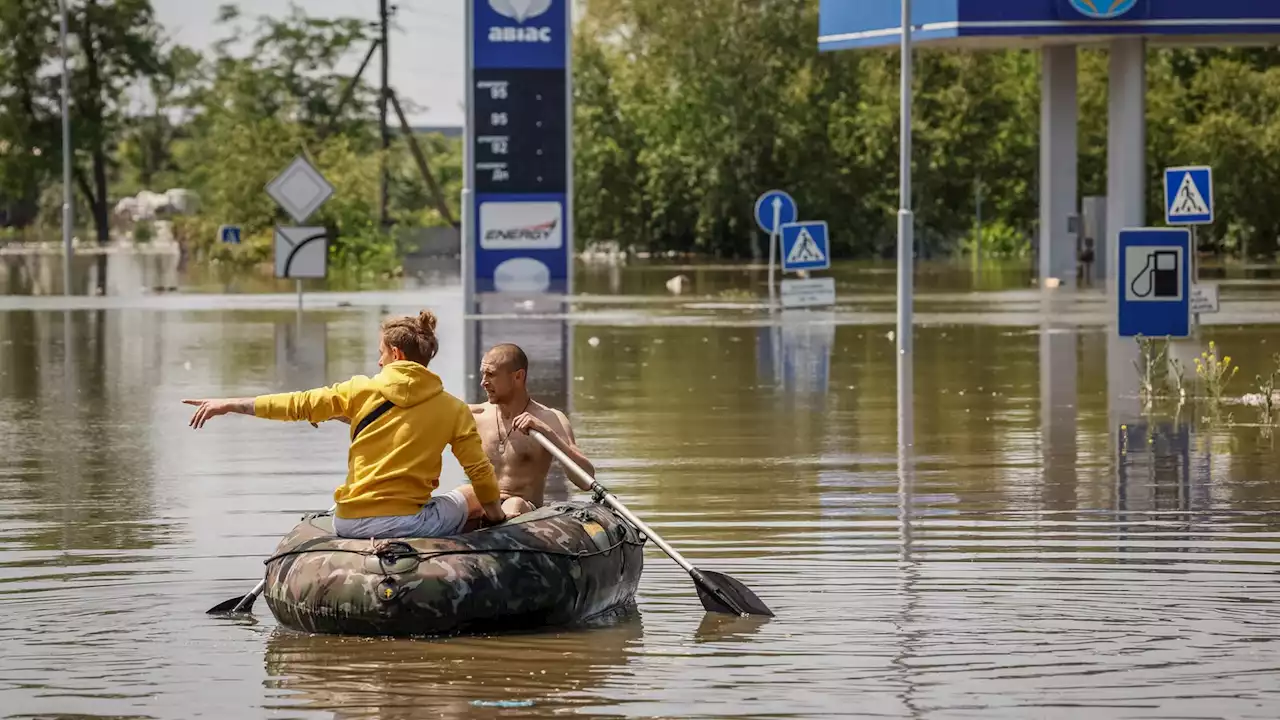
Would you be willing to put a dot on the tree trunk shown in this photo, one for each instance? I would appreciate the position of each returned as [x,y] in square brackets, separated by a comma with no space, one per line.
[94,113]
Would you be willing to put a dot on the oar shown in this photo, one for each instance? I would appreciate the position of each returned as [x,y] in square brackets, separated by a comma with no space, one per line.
[244,603]
[718,592]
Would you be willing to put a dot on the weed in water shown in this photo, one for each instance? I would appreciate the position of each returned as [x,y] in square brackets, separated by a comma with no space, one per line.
[1152,366]
[1267,392]
[1215,374]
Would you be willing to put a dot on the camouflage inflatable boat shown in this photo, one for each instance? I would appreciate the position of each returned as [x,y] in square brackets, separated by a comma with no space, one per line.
[560,564]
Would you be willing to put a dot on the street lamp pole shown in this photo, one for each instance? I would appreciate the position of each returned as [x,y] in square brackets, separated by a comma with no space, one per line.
[906,244]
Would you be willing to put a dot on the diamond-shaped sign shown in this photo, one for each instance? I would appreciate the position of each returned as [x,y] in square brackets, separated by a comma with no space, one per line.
[300,189]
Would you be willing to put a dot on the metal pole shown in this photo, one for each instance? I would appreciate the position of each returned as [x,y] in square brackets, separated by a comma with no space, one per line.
[1195,278]
[905,244]
[299,282]
[773,244]
[68,206]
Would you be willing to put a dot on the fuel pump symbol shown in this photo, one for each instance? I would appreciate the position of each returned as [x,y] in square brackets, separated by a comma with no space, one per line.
[1158,277]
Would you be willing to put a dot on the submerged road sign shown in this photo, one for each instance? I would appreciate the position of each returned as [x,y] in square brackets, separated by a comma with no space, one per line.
[1188,195]
[808,292]
[301,252]
[772,205]
[300,189]
[805,246]
[1155,295]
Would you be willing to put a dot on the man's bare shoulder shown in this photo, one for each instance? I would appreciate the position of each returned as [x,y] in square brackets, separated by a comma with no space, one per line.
[548,414]
[479,409]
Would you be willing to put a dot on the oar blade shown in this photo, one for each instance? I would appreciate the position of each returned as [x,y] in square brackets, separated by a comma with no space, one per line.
[723,594]
[227,606]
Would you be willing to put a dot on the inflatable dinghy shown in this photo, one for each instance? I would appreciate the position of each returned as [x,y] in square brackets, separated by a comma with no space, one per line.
[558,565]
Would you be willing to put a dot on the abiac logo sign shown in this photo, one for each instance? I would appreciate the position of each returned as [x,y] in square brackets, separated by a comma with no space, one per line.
[520,11]
[1102,9]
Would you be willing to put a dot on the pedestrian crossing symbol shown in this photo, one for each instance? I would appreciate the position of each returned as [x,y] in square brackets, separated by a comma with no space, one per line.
[805,246]
[1188,193]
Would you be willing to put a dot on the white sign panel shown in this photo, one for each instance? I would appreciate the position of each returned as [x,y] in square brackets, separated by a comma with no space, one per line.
[521,225]
[808,292]
[1153,273]
[301,252]
[300,189]
[1204,298]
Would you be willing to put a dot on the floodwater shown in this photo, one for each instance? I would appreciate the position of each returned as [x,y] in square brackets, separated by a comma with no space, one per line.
[1028,558]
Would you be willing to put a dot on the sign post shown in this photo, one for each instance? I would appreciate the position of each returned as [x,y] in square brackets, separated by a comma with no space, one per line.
[518,197]
[1188,200]
[1155,291]
[300,252]
[774,209]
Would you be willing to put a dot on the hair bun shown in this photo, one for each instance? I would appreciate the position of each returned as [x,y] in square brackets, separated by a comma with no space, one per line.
[427,321]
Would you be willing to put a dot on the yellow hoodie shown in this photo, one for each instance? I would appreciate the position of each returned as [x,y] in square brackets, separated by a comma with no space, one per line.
[394,465]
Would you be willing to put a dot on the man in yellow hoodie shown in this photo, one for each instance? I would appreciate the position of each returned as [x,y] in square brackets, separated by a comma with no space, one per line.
[400,419]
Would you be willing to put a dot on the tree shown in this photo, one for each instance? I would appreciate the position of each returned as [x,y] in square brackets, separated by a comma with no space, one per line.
[117,42]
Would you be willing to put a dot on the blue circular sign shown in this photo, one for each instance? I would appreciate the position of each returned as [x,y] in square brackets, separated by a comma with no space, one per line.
[786,209]
[1103,9]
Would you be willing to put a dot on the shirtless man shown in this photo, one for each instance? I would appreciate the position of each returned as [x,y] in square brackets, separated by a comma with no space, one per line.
[504,423]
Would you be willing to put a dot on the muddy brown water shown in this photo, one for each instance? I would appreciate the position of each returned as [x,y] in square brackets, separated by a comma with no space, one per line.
[1031,559]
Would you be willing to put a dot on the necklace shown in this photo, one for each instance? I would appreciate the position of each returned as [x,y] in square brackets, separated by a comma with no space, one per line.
[497,418]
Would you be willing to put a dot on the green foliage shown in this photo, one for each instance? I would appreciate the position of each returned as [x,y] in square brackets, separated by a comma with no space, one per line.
[681,119]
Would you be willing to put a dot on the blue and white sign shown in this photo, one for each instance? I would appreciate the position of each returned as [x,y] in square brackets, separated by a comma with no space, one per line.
[519,174]
[805,247]
[229,234]
[1101,9]
[1155,295]
[1188,195]
[774,209]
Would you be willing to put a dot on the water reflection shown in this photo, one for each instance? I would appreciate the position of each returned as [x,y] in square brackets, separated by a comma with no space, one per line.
[1027,559]
[302,351]
[793,352]
[1059,400]
[533,675]
[113,271]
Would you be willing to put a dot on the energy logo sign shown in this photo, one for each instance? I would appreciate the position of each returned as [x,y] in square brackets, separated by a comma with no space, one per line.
[521,225]
[1102,9]
[520,10]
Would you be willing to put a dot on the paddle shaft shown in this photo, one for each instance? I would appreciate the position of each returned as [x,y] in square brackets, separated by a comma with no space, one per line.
[588,484]
[262,584]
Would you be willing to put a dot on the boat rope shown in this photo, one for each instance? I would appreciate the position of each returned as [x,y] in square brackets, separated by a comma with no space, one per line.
[424,556]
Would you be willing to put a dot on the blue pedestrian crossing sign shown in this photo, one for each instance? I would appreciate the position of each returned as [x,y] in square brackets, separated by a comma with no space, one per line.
[229,234]
[1155,297]
[1188,195]
[805,246]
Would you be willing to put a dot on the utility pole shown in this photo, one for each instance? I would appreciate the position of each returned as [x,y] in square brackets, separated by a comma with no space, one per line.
[382,111]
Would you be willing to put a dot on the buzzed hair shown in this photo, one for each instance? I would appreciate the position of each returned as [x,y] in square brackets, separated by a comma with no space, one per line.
[510,356]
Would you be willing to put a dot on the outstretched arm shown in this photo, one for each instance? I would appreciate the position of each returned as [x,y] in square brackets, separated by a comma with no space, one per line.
[315,405]
[563,438]
[206,409]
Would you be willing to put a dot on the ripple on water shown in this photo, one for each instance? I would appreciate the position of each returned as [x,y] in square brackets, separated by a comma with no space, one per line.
[1007,573]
